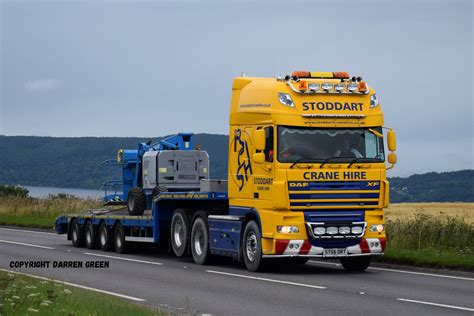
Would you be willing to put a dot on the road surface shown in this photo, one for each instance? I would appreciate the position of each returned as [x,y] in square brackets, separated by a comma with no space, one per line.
[179,285]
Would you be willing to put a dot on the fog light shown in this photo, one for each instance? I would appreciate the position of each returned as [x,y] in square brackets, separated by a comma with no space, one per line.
[319,230]
[332,230]
[356,230]
[376,228]
[288,229]
[344,230]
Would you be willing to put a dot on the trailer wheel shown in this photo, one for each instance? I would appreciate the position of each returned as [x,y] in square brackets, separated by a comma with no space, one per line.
[200,241]
[252,247]
[179,232]
[90,232]
[136,201]
[119,239]
[356,264]
[77,235]
[105,237]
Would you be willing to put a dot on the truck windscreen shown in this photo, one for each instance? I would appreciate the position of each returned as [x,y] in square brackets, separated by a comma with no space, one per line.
[296,144]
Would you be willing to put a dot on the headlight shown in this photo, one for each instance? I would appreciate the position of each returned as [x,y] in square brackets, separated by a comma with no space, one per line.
[356,230]
[327,86]
[374,101]
[344,230]
[352,87]
[319,230]
[340,86]
[314,86]
[332,230]
[285,99]
[288,229]
[377,228]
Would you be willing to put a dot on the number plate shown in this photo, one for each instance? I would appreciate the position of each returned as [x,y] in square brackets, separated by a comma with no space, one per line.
[335,252]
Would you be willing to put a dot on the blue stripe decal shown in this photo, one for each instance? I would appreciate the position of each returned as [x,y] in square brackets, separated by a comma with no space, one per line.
[309,204]
[339,185]
[334,196]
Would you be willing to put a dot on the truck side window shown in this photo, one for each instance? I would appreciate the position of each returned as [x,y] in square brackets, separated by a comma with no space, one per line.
[269,152]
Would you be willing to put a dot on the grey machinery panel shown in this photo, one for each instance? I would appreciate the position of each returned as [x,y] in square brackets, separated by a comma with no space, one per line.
[175,169]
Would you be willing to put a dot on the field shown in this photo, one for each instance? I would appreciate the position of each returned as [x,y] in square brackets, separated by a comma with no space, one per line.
[439,235]
[23,295]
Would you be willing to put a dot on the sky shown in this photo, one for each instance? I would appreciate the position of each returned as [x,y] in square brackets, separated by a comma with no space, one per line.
[152,68]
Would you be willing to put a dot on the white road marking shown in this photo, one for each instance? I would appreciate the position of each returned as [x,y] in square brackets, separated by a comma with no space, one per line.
[23,244]
[403,271]
[31,231]
[123,258]
[267,280]
[436,304]
[78,286]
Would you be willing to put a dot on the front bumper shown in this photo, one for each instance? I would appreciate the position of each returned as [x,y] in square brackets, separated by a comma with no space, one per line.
[304,248]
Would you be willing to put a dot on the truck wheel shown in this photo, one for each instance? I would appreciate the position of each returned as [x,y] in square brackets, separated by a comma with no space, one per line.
[105,237]
[200,241]
[90,233]
[77,235]
[356,264]
[136,201]
[119,239]
[179,232]
[252,247]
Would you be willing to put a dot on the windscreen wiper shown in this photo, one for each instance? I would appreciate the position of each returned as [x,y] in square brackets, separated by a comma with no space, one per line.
[310,159]
[361,158]
[327,160]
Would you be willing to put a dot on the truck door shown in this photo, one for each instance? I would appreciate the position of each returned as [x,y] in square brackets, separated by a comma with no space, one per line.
[264,172]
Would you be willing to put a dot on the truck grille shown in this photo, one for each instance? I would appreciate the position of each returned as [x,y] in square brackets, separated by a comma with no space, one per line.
[352,194]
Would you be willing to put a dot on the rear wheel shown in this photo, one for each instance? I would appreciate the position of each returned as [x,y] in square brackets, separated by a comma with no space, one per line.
[200,241]
[90,232]
[136,201]
[77,235]
[105,237]
[356,264]
[179,232]
[121,246]
[252,247]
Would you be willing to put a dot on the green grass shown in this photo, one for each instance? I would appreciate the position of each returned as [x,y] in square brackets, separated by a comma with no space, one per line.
[428,258]
[26,221]
[22,295]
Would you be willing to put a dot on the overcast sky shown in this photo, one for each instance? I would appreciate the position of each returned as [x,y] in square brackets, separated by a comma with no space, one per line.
[150,68]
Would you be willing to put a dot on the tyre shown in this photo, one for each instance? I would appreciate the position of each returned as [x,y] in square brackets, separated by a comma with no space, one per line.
[179,232]
[252,247]
[90,235]
[159,189]
[121,246]
[200,241]
[77,235]
[356,264]
[136,201]
[105,237]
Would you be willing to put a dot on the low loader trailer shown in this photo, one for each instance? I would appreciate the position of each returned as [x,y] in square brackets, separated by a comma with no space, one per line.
[306,179]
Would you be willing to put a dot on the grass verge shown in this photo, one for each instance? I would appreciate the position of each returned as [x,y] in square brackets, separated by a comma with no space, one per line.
[23,295]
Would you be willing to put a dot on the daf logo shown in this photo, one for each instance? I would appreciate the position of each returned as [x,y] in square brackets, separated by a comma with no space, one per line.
[298,184]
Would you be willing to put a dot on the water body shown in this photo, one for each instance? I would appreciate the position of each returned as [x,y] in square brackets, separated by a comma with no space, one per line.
[40,192]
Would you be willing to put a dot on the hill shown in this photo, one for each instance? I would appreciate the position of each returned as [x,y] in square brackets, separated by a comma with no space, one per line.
[75,163]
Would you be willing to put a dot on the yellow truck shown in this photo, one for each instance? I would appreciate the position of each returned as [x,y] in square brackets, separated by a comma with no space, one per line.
[306,179]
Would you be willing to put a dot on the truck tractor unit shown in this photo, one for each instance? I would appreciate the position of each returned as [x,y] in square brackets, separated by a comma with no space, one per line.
[306,179]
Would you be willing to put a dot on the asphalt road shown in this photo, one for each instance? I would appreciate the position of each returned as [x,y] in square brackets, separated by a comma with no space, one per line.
[181,286]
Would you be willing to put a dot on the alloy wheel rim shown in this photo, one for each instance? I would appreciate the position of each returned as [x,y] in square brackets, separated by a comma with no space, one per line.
[251,248]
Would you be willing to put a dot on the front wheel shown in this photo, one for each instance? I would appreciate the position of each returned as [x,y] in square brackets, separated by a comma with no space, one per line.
[356,264]
[252,247]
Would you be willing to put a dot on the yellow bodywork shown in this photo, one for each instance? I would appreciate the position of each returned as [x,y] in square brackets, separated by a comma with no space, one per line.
[264,186]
